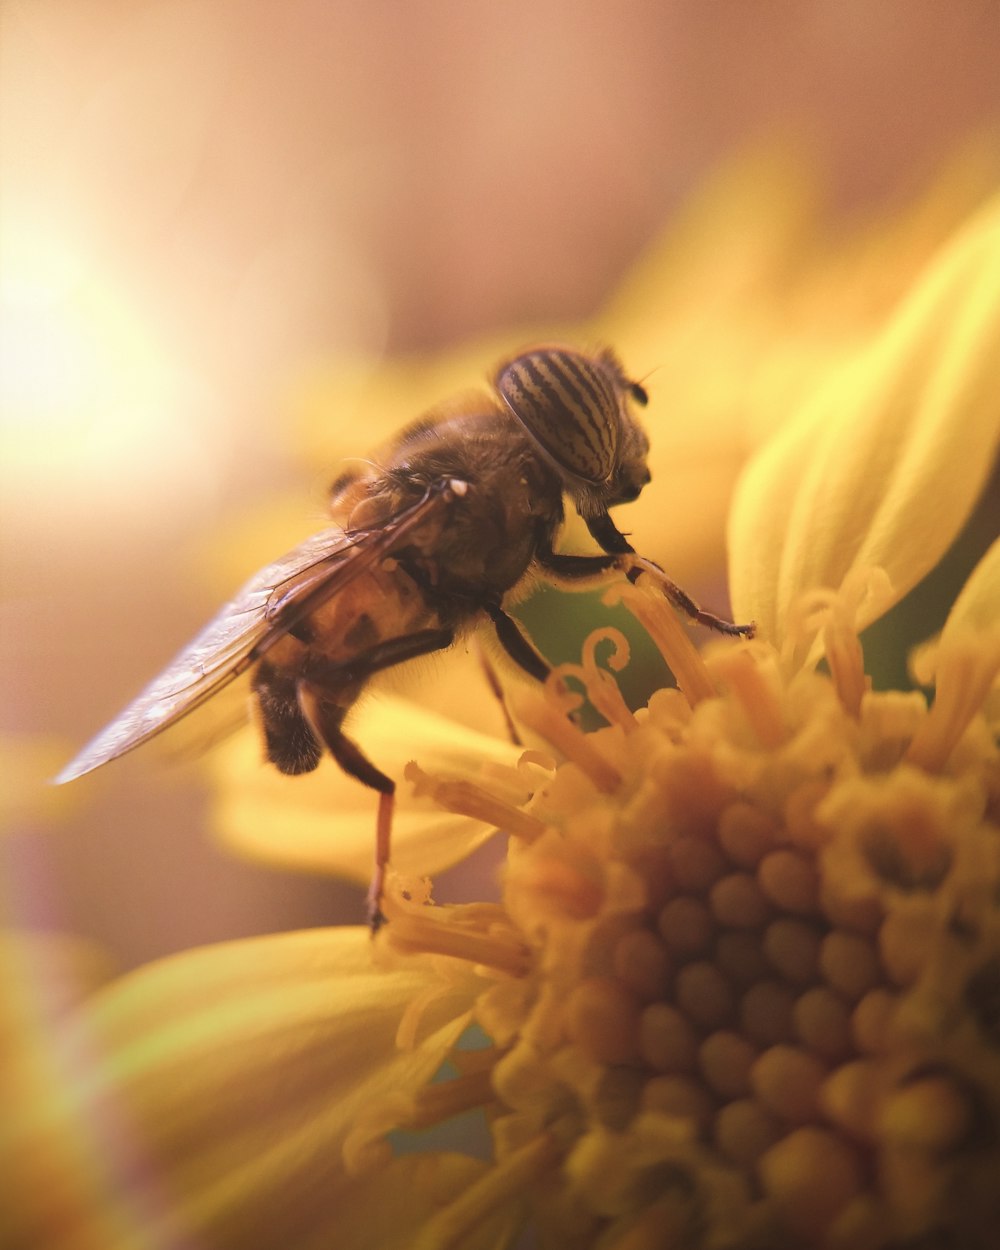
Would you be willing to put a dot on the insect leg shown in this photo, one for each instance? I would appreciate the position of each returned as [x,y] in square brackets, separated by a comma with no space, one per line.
[515,644]
[322,688]
[577,568]
[682,600]
[496,689]
[383,839]
[604,530]
[322,672]
[289,740]
[608,536]
[327,717]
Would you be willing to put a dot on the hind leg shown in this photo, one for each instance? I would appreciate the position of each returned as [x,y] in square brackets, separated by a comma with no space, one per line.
[327,718]
[326,692]
[290,743]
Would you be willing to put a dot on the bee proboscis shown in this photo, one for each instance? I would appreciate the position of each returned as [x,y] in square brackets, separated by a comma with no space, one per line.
[465,504]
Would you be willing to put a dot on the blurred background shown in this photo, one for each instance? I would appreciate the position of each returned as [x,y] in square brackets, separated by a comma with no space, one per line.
[204,206]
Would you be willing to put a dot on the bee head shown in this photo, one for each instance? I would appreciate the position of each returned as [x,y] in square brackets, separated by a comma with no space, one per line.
[576,410]
[632,471]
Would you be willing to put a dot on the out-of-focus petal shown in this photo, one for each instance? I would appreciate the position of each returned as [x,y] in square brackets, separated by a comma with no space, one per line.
[733,239]
[387,1209]
[882,467]
[206,1098]
[43,975]
[27,800]
[978,604]
[378,397]
[325,821]
[969,644]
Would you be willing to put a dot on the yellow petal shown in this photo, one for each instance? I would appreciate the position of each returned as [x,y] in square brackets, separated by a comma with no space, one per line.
[963,662]
[387,1210]
[883,465]
[977,607]
[28,800]
[43,975]
[325,821]
[973,625]
[734,236]
[207,1097]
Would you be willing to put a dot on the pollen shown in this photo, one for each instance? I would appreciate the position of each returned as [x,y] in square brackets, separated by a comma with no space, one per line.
[749,967]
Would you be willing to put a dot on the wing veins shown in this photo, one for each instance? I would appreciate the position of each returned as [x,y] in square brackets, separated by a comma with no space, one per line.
[230,644]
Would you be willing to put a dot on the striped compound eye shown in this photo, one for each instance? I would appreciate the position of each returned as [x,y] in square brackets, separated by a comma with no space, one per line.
[570,405]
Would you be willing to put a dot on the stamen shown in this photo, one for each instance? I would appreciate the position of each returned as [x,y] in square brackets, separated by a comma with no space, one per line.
[543,714]
[967,667]
[504,1182]
[465,798]
[485,1059]
[662,625]
[863,595]
[805,618]
[365,1146]
[444,1099]
[427,930]
[846,661]
[533,758]
[601,687]
[413,1013]
[758,693]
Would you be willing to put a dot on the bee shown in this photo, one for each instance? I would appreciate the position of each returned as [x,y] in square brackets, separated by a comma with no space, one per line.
[466,504]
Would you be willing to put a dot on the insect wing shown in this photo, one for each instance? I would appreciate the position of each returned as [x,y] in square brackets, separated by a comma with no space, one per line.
[569,405]
[266,608]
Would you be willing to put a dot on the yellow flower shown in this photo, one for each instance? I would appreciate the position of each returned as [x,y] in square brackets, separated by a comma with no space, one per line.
[740,987]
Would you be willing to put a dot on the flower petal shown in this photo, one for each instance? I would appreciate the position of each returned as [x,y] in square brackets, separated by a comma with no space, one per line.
[325,821]
[43,976]
[963,662]
[974,622]
[883,465]
[209,1095]
[29,801]
[978,604]
[387,1209]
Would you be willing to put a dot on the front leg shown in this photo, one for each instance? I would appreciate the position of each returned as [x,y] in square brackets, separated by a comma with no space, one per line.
[682,600]
[622,556]
[607,535]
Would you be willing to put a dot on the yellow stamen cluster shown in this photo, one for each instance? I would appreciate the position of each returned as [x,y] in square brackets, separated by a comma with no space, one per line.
[746,986]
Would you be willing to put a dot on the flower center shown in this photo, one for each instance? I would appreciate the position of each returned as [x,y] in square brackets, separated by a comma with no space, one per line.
[729,972]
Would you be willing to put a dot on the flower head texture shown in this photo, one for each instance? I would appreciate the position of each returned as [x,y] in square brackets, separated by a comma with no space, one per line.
[740,986]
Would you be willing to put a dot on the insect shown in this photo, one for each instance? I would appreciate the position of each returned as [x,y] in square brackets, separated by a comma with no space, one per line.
[466,502]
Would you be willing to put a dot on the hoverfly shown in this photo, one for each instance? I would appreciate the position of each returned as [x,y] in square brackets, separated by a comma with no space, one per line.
[468,500]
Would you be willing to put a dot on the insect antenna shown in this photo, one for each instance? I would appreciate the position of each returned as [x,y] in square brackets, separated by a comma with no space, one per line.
[496,689]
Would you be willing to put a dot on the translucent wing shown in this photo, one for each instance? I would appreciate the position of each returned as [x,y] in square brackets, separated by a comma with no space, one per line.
[271,603]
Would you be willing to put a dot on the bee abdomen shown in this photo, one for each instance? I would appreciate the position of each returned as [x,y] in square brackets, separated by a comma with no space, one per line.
[569,406]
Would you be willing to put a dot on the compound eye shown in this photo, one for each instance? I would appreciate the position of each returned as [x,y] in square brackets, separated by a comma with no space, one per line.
[570,408]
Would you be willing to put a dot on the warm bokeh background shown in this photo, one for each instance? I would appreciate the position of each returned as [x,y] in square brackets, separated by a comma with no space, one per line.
[199,202]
